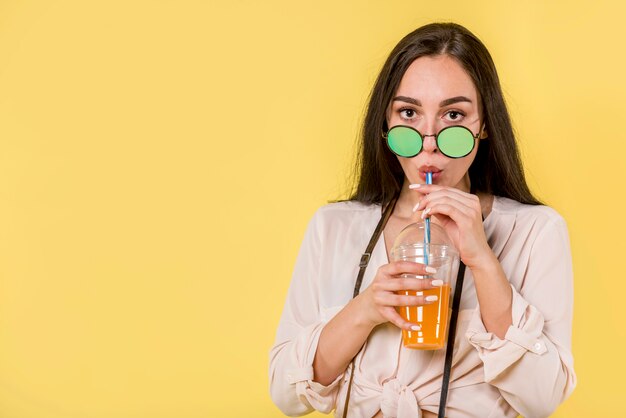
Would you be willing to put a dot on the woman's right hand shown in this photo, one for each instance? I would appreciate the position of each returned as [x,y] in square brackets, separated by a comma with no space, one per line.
[380,298]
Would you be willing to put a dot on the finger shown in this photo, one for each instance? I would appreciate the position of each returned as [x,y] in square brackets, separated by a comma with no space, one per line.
[392,316]
[460,218]
[405,283]
[393,299]
[427,188]
[435,188]
[396,268]
[466,199]
[463,206]
[456,193]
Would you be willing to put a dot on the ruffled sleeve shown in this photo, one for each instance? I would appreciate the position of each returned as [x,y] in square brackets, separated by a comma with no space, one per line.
[291,358]
[533,365]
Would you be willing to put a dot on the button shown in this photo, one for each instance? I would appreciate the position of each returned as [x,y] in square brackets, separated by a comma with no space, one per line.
[537,346]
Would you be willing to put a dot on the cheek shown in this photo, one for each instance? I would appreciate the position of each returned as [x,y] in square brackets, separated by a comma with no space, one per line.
[409,167]
[470,158]
[461,166]
[403,163]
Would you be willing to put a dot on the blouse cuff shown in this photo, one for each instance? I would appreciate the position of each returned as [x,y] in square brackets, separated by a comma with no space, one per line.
[321,397]
[524,335]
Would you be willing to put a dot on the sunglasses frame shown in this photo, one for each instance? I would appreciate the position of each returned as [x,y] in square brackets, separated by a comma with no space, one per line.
[474,136]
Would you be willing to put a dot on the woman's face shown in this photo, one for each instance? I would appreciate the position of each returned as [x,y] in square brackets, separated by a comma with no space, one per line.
[436,92]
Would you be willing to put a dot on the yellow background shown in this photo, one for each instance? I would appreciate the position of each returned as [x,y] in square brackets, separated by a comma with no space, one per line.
[159,161]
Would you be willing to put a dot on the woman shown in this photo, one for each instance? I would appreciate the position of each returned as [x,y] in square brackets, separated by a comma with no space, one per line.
[512,352]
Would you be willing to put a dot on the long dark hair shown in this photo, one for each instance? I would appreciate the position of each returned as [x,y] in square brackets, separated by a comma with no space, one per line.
[497,168]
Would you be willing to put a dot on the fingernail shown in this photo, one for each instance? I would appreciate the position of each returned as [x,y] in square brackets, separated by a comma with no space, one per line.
[416,206]
[437,282]
[425,213]
[430,269]
[416,327]
[431,298]
[414,186]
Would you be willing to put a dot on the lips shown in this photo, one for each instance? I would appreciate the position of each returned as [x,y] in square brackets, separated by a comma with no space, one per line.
[429,168]
[432,169]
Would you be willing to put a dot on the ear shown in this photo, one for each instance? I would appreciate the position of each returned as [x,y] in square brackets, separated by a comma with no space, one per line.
[483,134]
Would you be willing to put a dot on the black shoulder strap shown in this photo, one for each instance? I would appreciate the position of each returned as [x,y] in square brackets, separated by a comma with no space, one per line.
[365,259]
[456,301]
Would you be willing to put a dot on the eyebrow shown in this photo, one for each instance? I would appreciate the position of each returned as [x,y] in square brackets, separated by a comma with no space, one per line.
[443,103]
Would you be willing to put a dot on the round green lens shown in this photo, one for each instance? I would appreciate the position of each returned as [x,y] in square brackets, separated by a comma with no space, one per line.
[455,141]
[404,141]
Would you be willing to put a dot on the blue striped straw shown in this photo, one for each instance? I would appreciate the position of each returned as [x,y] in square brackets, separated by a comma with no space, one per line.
[429,180]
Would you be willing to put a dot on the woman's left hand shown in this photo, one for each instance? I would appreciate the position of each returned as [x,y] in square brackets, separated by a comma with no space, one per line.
[460,214]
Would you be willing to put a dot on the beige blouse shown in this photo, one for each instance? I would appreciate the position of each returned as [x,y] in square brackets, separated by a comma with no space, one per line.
[529,372]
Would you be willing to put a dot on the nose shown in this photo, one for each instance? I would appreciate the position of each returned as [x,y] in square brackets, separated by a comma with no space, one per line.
[430,143]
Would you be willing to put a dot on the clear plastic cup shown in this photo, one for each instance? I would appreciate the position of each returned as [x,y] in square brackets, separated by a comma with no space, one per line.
[432,319]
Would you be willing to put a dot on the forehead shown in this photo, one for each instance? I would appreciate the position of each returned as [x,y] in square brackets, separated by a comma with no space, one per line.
[437,78]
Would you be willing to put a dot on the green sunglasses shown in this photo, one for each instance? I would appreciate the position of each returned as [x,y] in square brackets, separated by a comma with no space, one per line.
[453,141]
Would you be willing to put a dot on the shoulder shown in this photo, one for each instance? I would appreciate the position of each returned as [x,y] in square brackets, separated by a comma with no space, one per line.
[523,214]
[341,220]
[345,211]
[515,231]
[512,224]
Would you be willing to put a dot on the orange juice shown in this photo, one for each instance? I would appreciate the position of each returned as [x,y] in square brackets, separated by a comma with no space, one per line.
[432,318]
